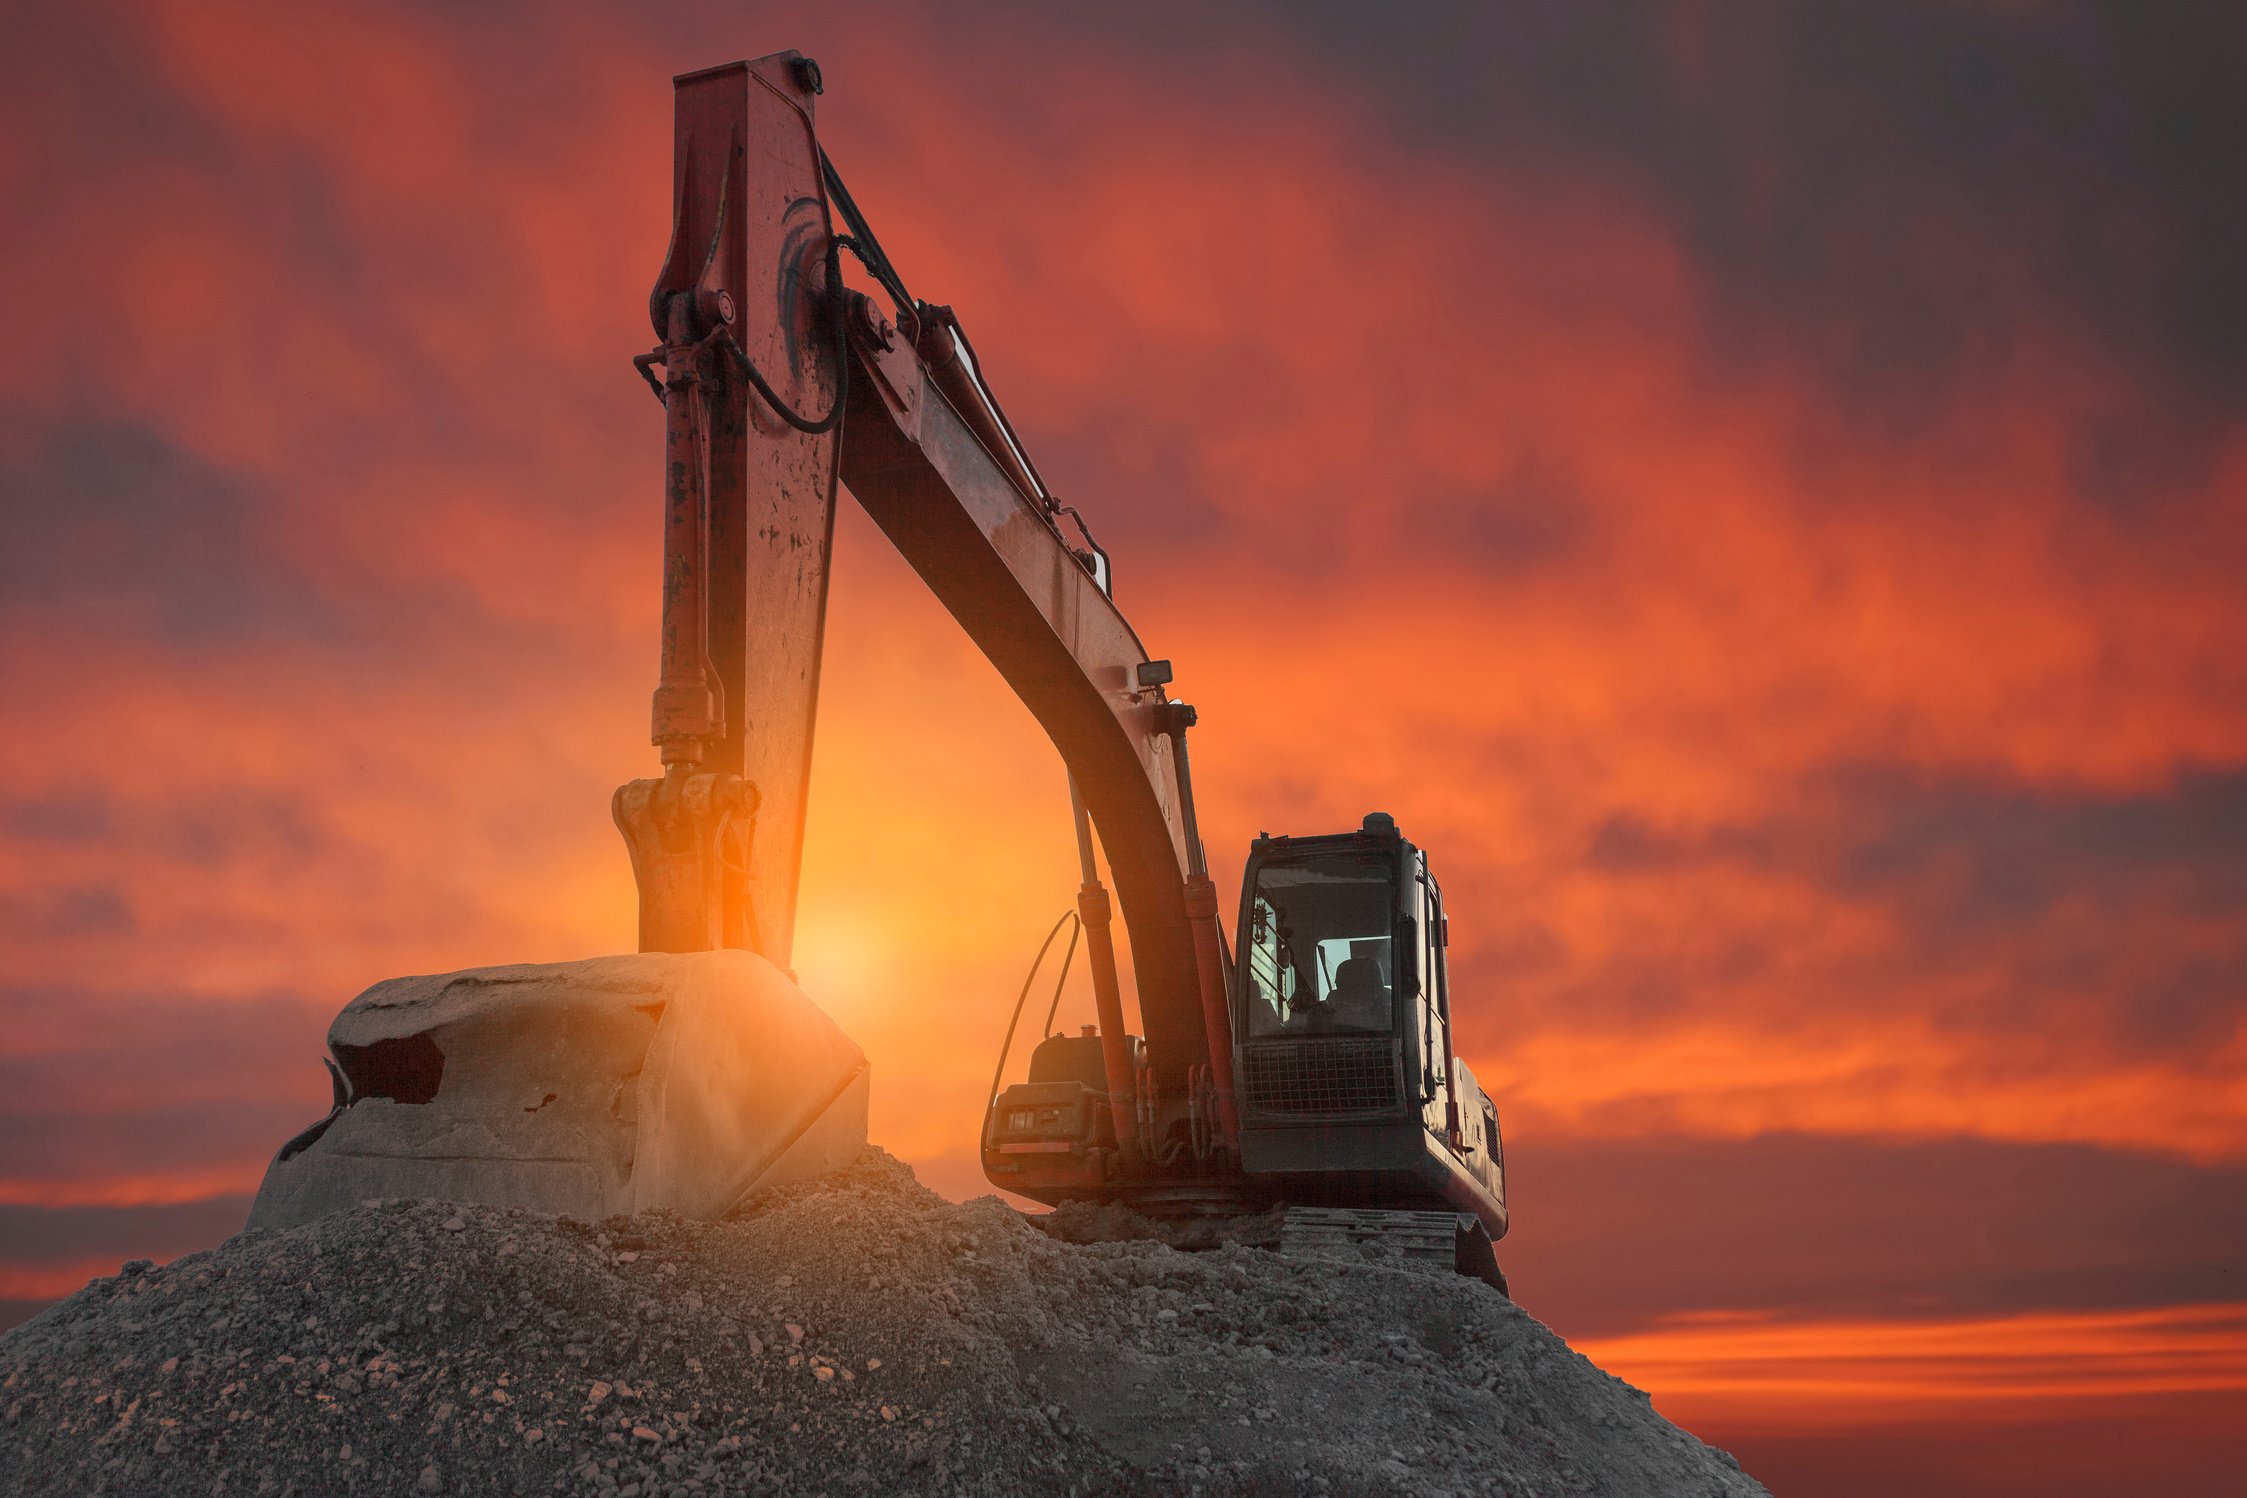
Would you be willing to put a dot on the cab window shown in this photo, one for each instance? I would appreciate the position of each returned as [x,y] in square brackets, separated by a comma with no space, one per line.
[1317,959]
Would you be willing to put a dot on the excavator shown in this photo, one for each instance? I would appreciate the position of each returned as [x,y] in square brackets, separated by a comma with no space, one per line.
[1304,1066]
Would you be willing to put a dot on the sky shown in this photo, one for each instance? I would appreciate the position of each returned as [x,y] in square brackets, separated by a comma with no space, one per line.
[1757,491]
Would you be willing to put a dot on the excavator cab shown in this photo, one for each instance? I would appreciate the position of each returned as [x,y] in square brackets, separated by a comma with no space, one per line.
[1355,1110]
[1351,1090]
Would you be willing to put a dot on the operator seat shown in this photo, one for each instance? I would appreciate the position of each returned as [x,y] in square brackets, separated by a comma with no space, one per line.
[1360,1000]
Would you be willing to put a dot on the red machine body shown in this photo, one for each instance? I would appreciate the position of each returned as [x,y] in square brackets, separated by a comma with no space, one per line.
[777,379]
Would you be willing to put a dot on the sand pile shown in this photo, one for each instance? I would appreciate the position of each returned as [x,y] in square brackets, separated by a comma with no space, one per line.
[855,1335]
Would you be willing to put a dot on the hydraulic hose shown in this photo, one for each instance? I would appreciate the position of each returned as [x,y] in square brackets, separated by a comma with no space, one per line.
[1007,1045]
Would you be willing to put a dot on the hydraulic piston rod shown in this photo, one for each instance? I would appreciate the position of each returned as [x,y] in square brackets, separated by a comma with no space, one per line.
[1093,909]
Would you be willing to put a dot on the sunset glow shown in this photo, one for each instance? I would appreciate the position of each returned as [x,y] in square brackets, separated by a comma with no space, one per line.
[1749,503]
[1946,1371]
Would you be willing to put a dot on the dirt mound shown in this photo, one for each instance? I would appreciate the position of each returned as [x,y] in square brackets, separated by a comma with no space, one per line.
[855,1335]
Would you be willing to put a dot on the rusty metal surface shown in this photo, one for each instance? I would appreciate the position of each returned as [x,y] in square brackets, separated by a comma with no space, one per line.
[750,506]
[1107,995]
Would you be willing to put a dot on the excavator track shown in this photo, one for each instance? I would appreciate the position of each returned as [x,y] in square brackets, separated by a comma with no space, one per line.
[1453,1240]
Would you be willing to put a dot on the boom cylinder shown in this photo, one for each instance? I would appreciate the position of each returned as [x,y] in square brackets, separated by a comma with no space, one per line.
[1201,919]
[687,714]
[1093,912]
[949,369]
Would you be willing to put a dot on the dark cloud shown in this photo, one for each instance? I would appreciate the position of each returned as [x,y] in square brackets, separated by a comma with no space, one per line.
[2008,853]
[2004,851]
[1615,1234]
[222,1139]
[84,821]
[1896,189]
[2180,1443]
[64,912]
[1132,478]
[36,1238]
[158,1231]
[2135,467]
[1901,197]
[90,72]
[97,1085]
[112,513]
[1628,843]
[1536,517]
[215,827]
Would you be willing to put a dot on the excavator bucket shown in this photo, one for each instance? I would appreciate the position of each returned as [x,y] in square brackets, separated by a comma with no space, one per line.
[613,1085]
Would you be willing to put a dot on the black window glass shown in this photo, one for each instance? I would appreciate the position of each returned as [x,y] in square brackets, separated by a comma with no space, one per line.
[1318,960]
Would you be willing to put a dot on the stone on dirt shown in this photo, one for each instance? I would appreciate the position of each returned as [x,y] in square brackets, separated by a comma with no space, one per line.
[856,1334]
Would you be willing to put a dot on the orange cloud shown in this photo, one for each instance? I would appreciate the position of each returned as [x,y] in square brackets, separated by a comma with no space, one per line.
[1750,1372]
[1862,1076]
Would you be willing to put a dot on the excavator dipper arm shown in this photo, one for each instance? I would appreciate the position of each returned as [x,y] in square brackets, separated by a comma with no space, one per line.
[749,513]
[748,297]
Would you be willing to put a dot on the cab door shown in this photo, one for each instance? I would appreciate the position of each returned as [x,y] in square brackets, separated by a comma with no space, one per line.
[1431,1009]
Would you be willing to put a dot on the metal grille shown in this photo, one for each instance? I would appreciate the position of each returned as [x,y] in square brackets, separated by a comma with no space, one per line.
[1335,1074]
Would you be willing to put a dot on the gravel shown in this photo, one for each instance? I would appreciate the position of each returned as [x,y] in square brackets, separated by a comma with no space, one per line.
[853,1335]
